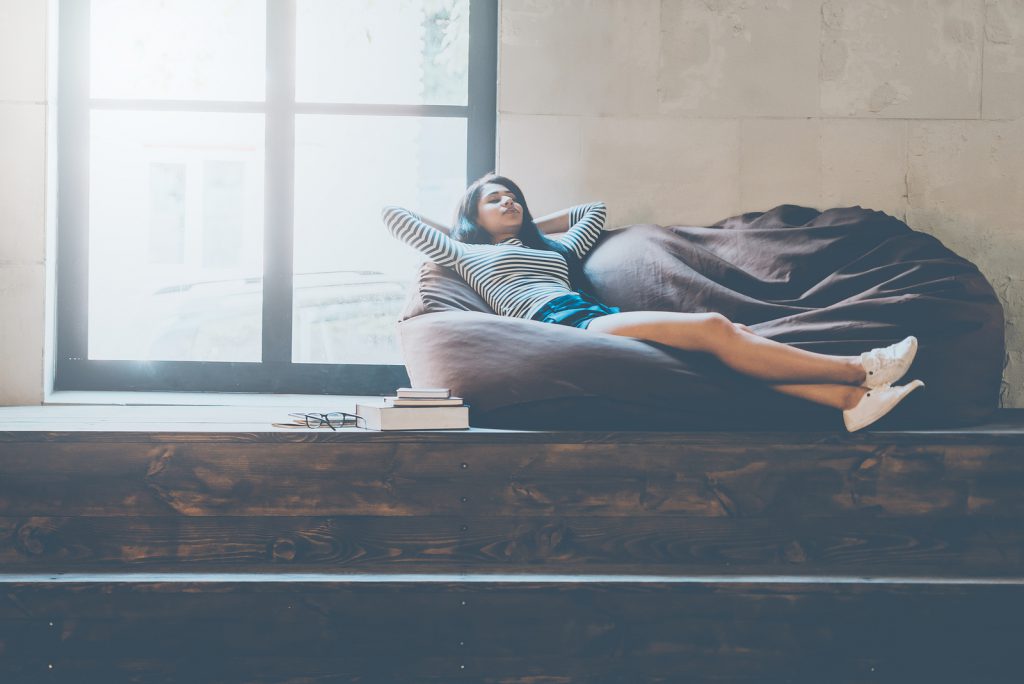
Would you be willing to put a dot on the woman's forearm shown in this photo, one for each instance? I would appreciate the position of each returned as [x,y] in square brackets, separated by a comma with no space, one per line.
[557,222]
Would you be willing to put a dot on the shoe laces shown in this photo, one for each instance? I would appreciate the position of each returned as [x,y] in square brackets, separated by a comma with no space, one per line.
[879,358]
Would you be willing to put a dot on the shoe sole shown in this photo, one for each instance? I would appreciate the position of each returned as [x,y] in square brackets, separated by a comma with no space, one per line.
[883,409]
[913,355]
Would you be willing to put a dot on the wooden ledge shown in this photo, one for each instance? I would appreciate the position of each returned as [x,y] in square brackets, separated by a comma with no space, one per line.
[195,424]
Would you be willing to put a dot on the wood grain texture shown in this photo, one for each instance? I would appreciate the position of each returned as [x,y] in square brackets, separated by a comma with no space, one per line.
[869,546]
[776,557]
[444,503]
[495,632]
[443,479]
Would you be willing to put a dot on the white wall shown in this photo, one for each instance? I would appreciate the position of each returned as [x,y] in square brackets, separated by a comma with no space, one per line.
[23,118]
[674,112]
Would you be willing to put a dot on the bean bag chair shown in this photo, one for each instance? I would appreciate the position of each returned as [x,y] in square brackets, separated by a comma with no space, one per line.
[839,281]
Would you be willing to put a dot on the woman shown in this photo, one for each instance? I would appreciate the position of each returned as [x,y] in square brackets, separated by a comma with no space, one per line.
[502,252]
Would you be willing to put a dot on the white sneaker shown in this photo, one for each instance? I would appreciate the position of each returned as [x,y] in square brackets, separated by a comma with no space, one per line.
[876,403]
[885,365]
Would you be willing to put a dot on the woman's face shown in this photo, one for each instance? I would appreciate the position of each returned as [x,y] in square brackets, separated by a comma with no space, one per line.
[498,212]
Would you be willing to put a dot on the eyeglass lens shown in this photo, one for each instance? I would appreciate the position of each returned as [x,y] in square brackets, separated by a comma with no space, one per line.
[331,420]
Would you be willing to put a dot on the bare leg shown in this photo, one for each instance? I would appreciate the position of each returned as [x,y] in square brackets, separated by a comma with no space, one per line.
[837,396]
[733,345]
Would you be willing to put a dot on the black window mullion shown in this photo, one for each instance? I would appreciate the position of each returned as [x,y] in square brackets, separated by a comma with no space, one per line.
[483,88]
[279,211]
[72,302]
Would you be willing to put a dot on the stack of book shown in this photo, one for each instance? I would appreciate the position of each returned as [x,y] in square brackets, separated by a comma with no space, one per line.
[416,408]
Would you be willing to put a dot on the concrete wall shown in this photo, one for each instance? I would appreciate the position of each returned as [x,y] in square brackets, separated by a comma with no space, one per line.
[689,111]
[24,103]
[673,111]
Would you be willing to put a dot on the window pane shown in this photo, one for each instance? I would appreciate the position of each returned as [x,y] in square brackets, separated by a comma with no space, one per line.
[175,236]
[178,49]
[166,213]
[352,276]
[386,52]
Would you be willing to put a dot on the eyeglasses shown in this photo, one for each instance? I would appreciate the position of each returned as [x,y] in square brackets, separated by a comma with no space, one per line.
[332,420]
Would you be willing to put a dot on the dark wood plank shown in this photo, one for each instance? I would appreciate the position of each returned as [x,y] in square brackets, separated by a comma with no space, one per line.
[950,509]
[655,631]
[416,479]
[923,546]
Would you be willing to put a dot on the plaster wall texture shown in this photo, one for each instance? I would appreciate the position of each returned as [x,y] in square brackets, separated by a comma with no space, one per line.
[688,111]
[23,110]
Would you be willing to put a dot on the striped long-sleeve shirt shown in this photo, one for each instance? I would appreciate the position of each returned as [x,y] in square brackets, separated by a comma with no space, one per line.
[515,280]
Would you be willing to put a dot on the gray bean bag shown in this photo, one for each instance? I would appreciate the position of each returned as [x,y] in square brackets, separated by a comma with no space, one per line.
[837,282]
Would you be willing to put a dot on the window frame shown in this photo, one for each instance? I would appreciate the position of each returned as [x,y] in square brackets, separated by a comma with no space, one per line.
[276,372]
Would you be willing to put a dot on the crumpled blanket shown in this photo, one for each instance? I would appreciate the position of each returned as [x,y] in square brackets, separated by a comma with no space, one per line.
[839,281]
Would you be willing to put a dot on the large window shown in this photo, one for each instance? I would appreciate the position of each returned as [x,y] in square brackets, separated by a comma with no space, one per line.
[222,165]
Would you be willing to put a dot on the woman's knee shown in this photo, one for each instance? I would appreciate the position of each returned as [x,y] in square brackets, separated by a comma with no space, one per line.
[719,325]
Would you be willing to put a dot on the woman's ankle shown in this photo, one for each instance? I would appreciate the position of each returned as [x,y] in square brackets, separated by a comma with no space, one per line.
[859,375]
[852,397]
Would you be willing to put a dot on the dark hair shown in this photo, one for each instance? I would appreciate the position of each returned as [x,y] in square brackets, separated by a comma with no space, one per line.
[466,229]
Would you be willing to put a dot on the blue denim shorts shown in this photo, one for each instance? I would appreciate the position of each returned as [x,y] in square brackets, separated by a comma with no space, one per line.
[576,310]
